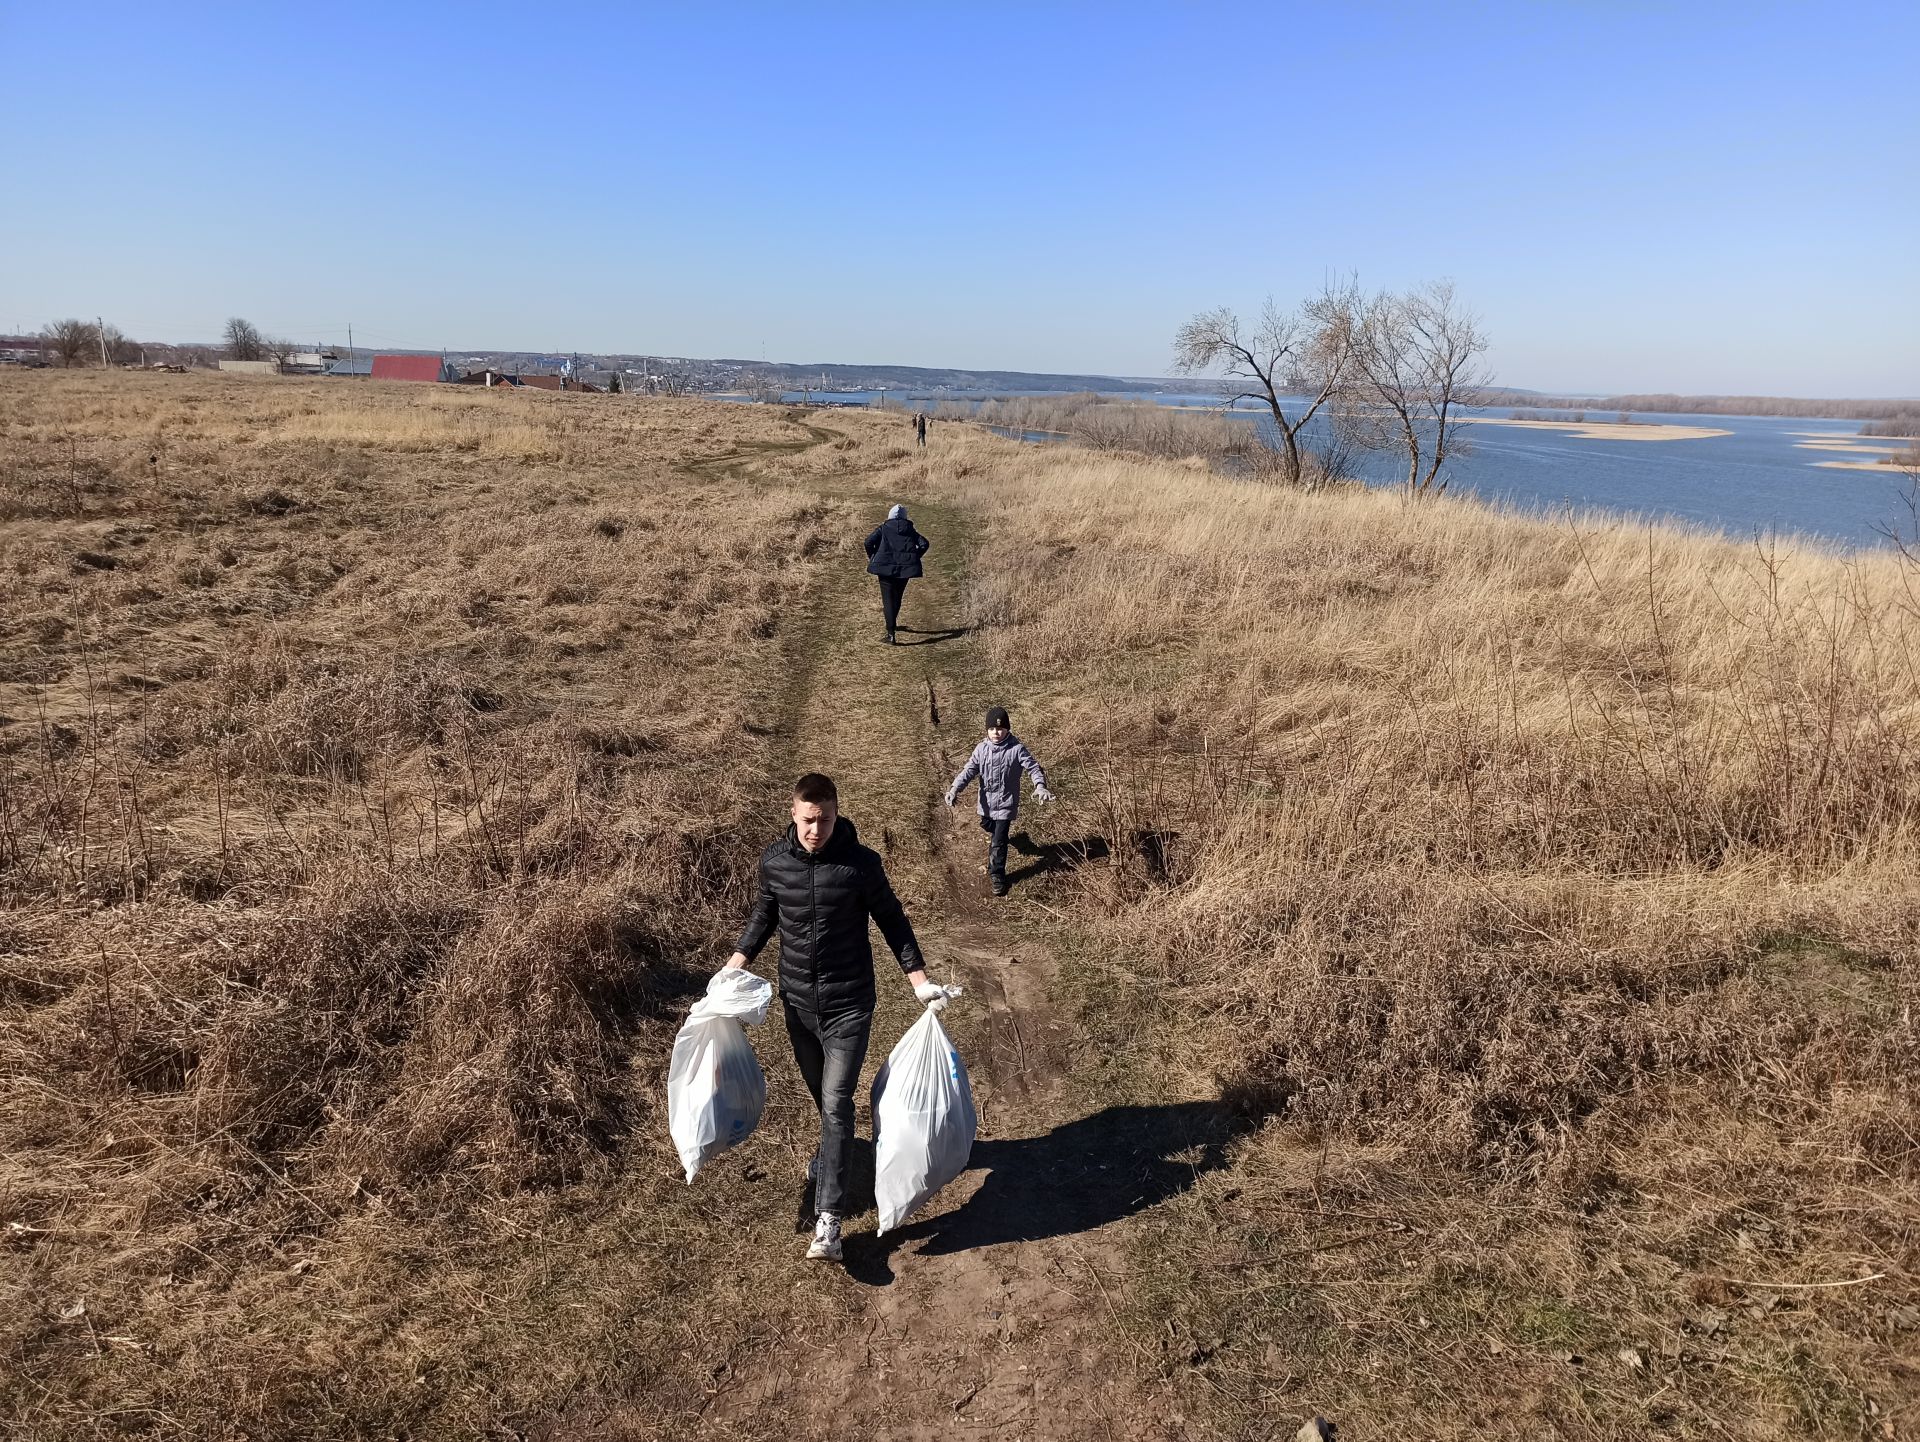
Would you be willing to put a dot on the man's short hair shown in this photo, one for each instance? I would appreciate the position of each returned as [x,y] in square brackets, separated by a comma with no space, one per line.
[817,789]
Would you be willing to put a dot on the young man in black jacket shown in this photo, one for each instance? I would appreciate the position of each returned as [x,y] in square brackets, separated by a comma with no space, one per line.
[819,886]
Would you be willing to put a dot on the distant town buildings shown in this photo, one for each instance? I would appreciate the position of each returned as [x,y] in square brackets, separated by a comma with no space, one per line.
[492,377]
[555,383]
[295,363]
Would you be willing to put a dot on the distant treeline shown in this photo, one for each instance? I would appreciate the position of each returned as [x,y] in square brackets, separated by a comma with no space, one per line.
[1903,426]
[1836,410]
[1580,416]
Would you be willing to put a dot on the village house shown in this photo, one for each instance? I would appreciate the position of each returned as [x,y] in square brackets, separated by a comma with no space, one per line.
[412,368]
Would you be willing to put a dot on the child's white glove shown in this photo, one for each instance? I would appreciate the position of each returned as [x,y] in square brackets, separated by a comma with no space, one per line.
[935,995]
[1044,796]
[950,800]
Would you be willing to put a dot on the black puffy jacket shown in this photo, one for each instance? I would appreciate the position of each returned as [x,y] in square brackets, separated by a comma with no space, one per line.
[894,549]
[821,901]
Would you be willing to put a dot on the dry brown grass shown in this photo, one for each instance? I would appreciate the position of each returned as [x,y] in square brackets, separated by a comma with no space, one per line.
[376,768]
[380,762]
[1552,883]
[1103,423]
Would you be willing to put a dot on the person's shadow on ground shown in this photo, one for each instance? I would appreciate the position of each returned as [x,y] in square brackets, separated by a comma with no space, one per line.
[1149,847]
[931,638]
[1042,857]
[1077,1177]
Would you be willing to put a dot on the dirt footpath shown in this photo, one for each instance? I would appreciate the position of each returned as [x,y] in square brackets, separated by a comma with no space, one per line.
[991,1314]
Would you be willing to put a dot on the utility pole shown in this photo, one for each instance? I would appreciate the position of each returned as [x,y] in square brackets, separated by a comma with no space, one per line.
[100,334]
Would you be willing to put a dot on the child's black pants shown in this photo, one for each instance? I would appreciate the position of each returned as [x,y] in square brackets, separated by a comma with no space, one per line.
[996,845]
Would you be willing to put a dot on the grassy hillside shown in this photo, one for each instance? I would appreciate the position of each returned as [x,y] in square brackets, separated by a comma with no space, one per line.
[379,767]
[1501,934]
[1554,884]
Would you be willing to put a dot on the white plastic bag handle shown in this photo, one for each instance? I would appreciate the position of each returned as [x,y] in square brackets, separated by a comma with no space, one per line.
[734,991]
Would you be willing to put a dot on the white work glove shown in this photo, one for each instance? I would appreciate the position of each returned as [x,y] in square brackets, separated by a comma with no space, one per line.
[935,995]
[950,800]
[1044,796]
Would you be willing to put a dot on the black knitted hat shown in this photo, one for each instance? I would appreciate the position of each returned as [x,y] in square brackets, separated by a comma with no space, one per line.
[997,716]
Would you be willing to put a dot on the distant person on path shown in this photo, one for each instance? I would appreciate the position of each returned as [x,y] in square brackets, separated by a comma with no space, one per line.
[818,887]
[920,428]
[893,554]
[997,763]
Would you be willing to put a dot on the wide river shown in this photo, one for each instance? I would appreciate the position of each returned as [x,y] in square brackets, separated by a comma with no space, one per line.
[1764,477]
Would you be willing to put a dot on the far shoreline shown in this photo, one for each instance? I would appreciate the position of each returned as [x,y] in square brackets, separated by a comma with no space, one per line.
[1607,430]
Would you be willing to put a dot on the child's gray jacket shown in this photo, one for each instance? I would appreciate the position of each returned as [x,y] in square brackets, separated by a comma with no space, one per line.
[998,767]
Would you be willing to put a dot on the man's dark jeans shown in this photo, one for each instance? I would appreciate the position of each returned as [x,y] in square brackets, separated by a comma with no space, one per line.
[996,846]
[830,1050]
[893,590]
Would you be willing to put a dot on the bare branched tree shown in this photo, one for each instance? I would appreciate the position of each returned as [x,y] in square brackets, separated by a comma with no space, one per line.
[1416,366]
[279,351]
[243,339]
[1296,361]
[764,386]
[71,342]
[119,349]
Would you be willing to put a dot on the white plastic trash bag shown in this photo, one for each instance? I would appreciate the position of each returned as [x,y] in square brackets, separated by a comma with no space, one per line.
[715,1088]
[923,1121]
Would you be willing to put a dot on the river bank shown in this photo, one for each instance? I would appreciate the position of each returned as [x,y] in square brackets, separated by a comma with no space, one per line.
[1606,430]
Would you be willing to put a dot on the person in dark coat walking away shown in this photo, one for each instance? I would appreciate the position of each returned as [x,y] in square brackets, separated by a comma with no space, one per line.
[893,554]
[920,428]
[818,887]
[997,763]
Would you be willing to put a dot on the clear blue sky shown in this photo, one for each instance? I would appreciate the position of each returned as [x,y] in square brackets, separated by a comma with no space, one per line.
[1632,196]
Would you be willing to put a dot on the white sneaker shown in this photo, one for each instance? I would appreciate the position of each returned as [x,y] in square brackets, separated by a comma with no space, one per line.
[825,1246]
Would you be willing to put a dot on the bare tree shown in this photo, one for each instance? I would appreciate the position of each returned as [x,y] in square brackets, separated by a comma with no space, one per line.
[243,339]
[764,386]
[1415,359]
[1297,361]
[71,342]
[1337,456]
[280,352]
[119,349]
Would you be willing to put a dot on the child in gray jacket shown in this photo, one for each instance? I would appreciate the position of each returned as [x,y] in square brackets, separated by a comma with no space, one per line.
[997,762]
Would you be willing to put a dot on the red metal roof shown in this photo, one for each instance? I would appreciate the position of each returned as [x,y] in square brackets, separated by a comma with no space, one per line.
[408,367]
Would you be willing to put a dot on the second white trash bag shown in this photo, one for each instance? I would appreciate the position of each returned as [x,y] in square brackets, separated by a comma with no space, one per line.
[715,1088]
[923,1121]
